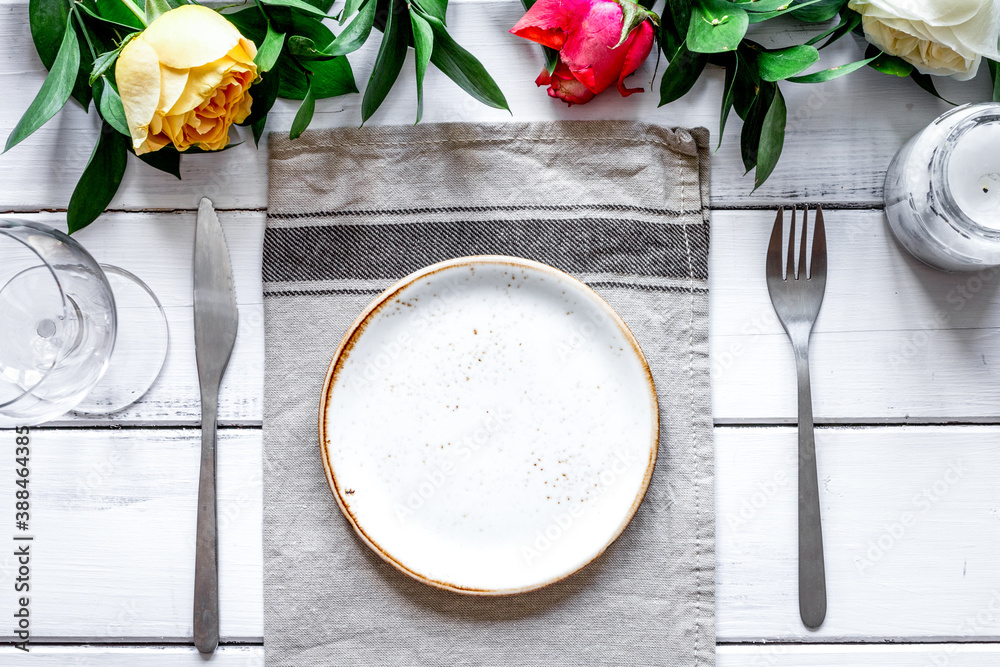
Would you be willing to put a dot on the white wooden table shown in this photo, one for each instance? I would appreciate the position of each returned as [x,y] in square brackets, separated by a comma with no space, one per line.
[906,387]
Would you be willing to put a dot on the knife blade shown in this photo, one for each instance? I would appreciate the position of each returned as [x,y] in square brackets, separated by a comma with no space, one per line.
[216,319]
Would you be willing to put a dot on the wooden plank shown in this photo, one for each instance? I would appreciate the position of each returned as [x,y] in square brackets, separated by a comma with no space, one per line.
[772,655]
[113,520]
[895,339]
[931,655]
[909,525]
[909,516]
[131,656]
[837,147]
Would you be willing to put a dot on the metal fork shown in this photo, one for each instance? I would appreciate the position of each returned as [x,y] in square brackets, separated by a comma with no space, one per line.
[797,299]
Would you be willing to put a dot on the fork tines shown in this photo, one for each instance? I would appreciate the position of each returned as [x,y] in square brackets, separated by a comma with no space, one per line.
[815,260]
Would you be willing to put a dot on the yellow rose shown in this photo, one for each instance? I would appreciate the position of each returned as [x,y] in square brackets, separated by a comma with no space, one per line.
[184,80]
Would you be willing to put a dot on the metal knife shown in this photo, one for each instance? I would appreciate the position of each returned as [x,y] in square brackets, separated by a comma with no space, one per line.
[215,323]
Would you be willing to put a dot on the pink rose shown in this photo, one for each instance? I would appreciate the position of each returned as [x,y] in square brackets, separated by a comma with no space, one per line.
[593,51]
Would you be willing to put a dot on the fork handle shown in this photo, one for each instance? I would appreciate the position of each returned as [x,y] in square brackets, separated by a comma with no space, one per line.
[812,576]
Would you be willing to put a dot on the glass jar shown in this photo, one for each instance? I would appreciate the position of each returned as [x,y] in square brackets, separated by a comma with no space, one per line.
[942,190]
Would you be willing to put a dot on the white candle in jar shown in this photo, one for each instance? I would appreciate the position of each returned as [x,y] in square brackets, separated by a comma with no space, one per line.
[974,174]
[942,190]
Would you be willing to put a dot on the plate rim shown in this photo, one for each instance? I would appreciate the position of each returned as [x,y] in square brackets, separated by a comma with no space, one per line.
[358,327]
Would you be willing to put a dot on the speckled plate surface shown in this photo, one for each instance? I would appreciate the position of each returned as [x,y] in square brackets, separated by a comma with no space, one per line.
[489,425]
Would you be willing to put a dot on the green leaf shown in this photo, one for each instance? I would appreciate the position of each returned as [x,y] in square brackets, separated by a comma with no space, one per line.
[100,180]
[926,82]
[123,12]
[107,59]
[270,49]
[849,22]
[304,115]
[754,122]
[995,75]
[325,5]
[633,15]
[747,85]
[716,26]
[423,46]
[388,62]
[258,130]
[832,73]
[155,9]
[264,93]
[728,94]
[781,64]
[674,21]
[350,8]
[166,160]
[438,8]
[760,17]
[55,90]
[251,23]
[109,105]
[462,67]
[328,78]
[772,139]
[888,64]
[302,48]
[292,22]
[47,20]
[299,5]
[681,74]
[355,34]
[817,12]
[764,5]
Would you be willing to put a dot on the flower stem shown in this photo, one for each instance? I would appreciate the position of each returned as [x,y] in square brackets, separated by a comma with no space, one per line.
[135,10]
[86,35]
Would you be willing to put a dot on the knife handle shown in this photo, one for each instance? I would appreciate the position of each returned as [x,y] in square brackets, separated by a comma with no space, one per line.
[206,568]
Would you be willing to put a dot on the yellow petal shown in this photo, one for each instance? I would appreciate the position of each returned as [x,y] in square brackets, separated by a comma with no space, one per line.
[243,111]
[245,52]
[137,73]
[191,36]
[172,85]
[201,83]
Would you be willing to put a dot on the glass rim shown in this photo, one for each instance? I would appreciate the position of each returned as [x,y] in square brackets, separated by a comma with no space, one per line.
[7,224]
[985,112]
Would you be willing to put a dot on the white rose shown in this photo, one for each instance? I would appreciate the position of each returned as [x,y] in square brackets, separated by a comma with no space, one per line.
[944,37]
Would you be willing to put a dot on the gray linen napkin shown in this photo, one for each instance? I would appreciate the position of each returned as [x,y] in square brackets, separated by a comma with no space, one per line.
[623,207]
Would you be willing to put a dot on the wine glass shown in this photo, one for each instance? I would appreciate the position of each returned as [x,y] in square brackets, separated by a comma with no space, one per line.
[60,315]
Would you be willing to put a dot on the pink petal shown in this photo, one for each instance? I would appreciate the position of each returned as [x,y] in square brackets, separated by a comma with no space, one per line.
[588,51]
[638,51]
[567,88]
[548,22]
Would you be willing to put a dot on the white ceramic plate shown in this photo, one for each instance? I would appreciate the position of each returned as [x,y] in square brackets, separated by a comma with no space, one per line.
[489,425]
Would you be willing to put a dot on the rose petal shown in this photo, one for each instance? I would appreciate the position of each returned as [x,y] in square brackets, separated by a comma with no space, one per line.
[549,22]
[172,85]
[191,36]
[589,51]
[567,88]
[202,82]
[137,74]
[638,50]
[934,12]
